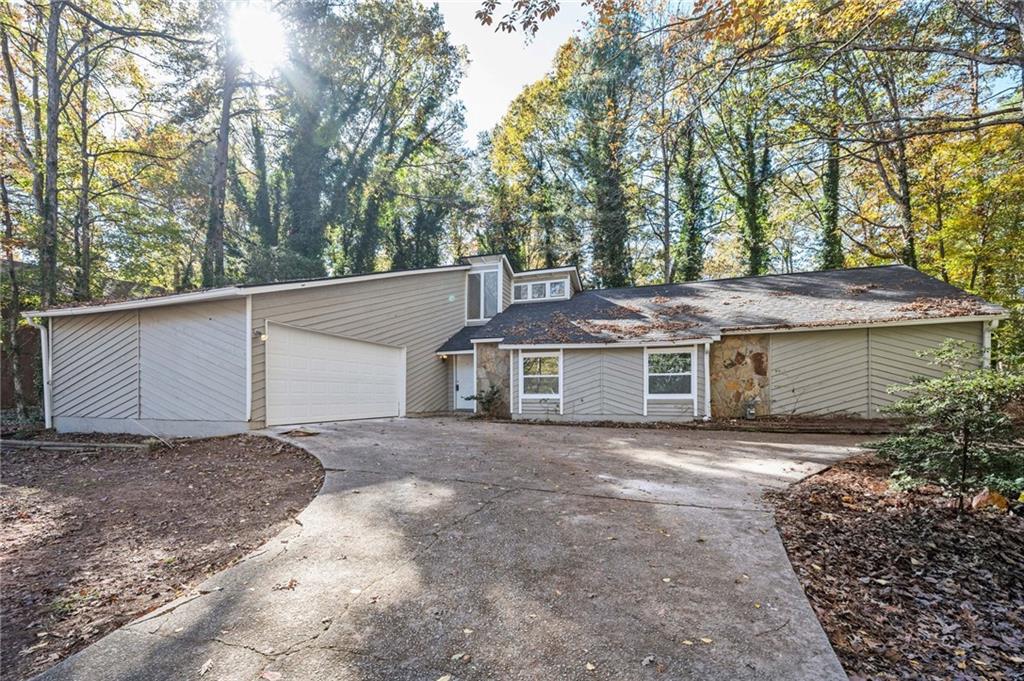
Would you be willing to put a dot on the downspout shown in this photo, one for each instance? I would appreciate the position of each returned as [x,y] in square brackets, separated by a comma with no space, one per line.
[986,343]
[707,382]
[44,344]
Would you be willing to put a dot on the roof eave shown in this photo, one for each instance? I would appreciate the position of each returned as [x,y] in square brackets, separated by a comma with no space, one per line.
[787,328]
[703,340]
[231,292]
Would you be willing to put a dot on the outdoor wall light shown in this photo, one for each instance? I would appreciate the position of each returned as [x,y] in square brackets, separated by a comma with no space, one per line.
[260,334]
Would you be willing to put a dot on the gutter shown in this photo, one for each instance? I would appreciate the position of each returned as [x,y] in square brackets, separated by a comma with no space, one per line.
[236,291]
[609,344]
[44,344]
[788,328]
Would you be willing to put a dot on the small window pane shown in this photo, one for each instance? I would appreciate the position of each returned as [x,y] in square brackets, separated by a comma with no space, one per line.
[540,385]
[668,385]
[668,363]
[539,291]
[540,366]
[473,297]
[549,366]
[557,289]
[490,294]
[522,291]
[531,365]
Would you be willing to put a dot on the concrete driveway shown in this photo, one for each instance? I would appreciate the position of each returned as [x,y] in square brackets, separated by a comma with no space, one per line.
[471,550]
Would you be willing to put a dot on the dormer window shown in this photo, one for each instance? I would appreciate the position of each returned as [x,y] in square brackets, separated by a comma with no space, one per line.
[482,296]
[540,290]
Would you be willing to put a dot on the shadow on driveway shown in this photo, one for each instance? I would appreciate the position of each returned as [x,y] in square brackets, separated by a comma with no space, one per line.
[508,551]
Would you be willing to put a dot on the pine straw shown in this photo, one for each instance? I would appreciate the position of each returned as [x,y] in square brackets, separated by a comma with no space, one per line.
[902,588]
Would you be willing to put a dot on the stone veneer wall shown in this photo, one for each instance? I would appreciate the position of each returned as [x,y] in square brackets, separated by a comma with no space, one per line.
[739,372]
[492,369]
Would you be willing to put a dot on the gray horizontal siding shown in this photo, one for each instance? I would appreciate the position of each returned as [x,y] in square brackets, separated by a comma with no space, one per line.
[607,384]
[418,312]
[848,371]
[670,409]
[894,355]
[193,362]
[96,365]
[819,372]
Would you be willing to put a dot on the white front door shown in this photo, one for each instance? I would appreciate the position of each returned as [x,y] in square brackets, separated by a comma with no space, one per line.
[315,376]
[464,382]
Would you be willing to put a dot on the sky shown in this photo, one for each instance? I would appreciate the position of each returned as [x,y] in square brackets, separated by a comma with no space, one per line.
[502,63]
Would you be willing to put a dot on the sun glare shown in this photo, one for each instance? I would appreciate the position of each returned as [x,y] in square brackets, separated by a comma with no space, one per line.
[259,37]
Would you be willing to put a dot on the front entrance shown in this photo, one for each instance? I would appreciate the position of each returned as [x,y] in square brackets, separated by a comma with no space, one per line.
[464,388]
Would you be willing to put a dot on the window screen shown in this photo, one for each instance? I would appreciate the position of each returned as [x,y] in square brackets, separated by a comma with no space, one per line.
[669,373]
[490,294]
[473,297]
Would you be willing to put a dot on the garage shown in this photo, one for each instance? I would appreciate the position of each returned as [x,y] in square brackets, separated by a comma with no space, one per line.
[313,376]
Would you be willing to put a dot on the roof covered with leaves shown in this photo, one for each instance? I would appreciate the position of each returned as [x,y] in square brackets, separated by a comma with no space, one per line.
[706,309]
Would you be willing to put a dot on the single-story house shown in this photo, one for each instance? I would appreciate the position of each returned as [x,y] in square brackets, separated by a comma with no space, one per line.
[426,341]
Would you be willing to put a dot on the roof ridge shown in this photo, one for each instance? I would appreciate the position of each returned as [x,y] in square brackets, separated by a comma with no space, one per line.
[757,276]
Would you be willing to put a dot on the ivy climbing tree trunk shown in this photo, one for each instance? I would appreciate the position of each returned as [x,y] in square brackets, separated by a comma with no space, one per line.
[213,252]
[48,235]
[831,238]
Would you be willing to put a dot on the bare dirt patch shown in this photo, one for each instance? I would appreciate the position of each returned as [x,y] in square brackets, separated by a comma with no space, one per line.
[901,586]
[93,539]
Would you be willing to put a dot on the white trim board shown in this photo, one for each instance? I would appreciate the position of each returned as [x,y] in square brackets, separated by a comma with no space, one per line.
[862,325]
[232,291]
[601,346]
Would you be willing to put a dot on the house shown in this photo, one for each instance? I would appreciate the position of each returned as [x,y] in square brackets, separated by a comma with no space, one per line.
[426,341]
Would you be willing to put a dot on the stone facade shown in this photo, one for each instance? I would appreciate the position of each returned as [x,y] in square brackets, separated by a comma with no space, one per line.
[739,373]
[491,370]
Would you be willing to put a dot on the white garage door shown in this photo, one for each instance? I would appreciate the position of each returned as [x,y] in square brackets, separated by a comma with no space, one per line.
[321,377]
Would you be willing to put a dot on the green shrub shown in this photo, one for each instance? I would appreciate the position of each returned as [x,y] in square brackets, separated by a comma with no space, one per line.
[961,435]
[489,401]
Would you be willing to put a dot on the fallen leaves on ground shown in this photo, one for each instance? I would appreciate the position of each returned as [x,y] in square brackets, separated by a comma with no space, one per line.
[902,587]
[89,540]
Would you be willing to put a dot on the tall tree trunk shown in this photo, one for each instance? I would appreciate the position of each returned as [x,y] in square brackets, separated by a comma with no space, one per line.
[213,253]
[83,235]
[14,311]
[695,211]
[48,237]
[667,264]
[831,239]
[264,220]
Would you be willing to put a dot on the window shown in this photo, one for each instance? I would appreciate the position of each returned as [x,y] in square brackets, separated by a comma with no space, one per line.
[540,375]
[490,294]
[482,296]
[669,373]
[540,290]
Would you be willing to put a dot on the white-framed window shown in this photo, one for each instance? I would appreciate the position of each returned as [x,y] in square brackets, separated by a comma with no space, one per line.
[669,373]
[540,290]
[540,375]
[482,290]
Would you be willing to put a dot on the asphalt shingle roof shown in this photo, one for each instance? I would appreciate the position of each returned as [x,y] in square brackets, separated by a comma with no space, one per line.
[704,309]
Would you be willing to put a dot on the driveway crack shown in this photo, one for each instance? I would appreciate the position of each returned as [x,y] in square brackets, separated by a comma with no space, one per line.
[560,492]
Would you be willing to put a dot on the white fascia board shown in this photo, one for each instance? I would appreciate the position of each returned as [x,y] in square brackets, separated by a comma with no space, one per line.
[862,325]
[474,341]
[454,352]
[285,286]
[230,292]
[174,299]
[574,274]
[599,346]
